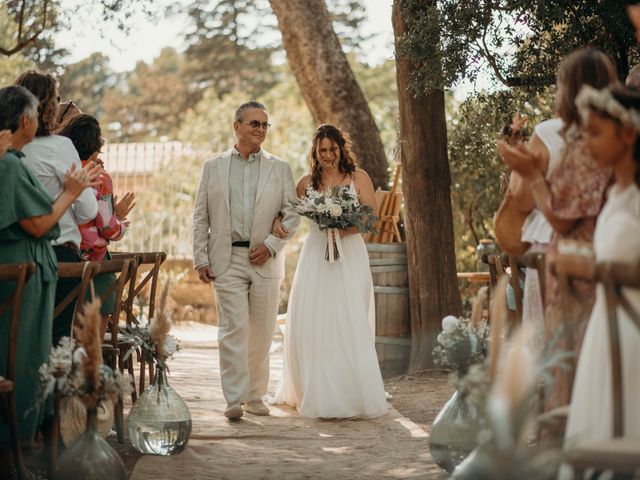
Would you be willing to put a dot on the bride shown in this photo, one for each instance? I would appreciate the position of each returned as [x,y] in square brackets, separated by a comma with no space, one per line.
[330,364]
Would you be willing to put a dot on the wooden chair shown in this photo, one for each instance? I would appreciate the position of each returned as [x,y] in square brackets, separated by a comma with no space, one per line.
[111,348]
[389,205]
[136,286]
[496,271]
[619,454]
[535,261]
[20,273]
[85,271]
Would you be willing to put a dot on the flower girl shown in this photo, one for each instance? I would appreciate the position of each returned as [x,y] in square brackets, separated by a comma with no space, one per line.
[612,123]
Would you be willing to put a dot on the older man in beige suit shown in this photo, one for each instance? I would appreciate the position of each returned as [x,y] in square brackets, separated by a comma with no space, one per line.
[241,192]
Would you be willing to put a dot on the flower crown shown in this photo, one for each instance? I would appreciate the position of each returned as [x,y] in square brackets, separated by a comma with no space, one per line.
[604,101]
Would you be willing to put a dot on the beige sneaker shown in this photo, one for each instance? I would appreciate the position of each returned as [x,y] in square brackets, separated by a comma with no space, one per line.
[256,407]
[233,411]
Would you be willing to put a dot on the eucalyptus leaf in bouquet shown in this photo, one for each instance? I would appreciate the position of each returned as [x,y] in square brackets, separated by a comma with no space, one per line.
[336,208]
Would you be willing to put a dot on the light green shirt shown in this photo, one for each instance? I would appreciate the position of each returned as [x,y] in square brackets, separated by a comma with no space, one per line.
[243,186]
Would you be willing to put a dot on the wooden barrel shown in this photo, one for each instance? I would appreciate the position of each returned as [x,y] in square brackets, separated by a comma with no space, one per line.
[391,288]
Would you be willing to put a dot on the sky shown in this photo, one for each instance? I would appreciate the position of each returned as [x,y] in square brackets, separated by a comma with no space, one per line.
[147,37]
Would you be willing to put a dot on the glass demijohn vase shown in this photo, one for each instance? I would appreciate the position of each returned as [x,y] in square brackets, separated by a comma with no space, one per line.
[90,456]
[454,432]
[159,422]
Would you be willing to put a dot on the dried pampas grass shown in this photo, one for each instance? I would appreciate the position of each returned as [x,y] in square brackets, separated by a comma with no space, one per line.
[498,318]
[517,377]
[161,323]
[87,334]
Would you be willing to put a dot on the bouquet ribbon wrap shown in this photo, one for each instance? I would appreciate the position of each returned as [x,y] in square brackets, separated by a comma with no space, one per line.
[334,246]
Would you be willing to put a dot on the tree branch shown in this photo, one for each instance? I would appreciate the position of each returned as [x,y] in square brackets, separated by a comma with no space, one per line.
[24,43]
[484,51]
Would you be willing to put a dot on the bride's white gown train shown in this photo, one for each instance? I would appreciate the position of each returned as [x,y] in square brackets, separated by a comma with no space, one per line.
[330,364]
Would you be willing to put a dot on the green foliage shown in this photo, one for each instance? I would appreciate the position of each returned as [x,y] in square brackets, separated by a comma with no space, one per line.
[40,53]
[378,83]
[211,122]
[518,42]
[476,170]
[149,102]
[347,17]
[229,47]
[85,83]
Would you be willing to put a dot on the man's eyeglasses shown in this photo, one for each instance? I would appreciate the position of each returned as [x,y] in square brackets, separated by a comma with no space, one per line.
[255,124]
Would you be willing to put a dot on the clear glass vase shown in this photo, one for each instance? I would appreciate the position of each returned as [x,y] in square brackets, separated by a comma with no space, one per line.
[454,432]
[90,456]
[159,422]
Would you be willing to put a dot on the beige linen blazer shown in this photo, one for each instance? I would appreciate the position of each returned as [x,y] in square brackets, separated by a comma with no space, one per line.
[212,219]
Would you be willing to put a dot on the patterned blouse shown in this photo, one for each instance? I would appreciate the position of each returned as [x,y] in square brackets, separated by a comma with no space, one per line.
[106,227]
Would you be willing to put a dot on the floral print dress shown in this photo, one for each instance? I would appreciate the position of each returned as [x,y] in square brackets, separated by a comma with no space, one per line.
[577,189]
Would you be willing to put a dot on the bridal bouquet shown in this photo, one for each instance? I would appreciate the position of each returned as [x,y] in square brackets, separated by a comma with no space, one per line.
[337,208]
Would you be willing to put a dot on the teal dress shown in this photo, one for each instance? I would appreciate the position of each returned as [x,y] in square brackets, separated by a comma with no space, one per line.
[23,196]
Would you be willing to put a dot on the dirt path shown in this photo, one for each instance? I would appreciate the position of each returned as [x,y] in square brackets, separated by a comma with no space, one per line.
[285,445]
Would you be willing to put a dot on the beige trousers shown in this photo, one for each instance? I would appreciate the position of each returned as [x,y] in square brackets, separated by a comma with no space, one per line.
[247,307]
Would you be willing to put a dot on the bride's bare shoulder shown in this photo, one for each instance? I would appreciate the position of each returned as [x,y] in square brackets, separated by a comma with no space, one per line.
[303,184]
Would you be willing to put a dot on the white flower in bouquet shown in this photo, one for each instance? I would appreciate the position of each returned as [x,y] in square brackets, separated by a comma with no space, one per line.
[61,358]
[335,210]
[326,204]
[170,345]
[449,323]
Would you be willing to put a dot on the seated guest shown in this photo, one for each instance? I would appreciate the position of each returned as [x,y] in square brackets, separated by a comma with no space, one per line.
[110,223]
[48,156]
[28,223]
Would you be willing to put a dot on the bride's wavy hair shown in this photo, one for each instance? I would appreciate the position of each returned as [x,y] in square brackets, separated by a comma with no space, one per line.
[346,164]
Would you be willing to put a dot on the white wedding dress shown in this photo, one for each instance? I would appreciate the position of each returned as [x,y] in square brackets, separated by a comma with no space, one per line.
[616,239]
[330,364]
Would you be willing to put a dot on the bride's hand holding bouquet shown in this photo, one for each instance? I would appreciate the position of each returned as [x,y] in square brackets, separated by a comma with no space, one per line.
[336,211]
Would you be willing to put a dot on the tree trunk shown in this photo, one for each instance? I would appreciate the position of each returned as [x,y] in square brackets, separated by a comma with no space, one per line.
[433,286]
[326,80]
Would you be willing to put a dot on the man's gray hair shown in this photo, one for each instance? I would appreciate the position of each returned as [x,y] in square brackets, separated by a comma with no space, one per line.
[239,115]
[15,101]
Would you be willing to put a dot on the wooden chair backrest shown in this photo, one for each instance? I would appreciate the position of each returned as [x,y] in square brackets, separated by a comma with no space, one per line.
[389,204]
[123,268]
[83,270]
[496,267]
[614,277]
[20,273]
[138,283]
